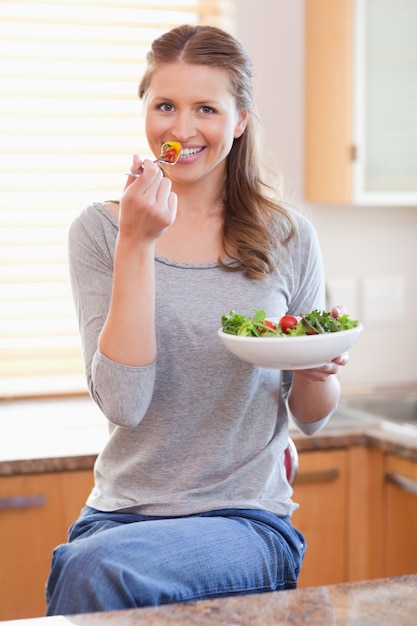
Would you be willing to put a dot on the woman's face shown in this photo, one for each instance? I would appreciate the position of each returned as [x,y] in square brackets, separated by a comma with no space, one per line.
[193,104]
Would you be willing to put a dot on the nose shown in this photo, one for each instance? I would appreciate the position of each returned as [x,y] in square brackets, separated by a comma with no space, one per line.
[183,127]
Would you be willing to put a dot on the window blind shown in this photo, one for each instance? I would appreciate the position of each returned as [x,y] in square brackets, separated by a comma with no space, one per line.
[70,121]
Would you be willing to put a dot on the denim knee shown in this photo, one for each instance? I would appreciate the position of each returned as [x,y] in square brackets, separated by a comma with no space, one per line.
[80,578]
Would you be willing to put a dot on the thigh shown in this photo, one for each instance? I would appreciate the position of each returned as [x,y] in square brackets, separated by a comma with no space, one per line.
[157,561]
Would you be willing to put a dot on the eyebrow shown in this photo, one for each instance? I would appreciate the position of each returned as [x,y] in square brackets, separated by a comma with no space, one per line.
[207,102]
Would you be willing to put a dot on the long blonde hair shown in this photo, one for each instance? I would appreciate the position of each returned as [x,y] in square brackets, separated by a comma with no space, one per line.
[255,225]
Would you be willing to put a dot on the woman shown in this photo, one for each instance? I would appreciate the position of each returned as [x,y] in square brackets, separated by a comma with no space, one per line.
[190,499]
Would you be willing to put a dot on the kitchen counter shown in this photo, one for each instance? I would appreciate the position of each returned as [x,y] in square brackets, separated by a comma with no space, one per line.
[67,434]
[38,436]
[351,428]
[383,602]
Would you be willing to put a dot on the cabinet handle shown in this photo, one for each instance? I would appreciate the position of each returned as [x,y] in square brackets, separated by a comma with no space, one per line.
[318,477]
[406,484]
[23,502]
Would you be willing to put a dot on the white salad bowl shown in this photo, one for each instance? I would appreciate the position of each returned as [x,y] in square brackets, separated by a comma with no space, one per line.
[291,353]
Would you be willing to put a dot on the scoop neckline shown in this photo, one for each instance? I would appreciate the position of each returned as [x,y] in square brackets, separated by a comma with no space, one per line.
[165,260]
[189,265]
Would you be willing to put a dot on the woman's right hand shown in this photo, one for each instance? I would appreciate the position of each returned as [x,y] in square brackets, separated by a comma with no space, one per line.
[148,206]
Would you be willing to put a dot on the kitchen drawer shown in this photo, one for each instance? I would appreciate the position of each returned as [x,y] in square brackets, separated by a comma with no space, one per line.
[35,513]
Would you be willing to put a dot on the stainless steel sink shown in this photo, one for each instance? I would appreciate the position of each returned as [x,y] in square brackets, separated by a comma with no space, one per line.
[398,409]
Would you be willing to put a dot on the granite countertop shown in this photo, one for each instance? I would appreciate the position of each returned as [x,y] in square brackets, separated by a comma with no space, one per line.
[55,435]
[384,602]
[348,428]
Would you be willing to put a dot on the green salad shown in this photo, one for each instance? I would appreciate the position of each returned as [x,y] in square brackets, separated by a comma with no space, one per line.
[314,323]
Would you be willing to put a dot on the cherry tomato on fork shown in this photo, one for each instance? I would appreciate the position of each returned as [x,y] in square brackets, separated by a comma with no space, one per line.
[287,322]
[170,156]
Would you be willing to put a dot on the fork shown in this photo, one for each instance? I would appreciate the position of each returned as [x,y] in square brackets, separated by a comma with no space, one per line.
[140,171]
[171,148]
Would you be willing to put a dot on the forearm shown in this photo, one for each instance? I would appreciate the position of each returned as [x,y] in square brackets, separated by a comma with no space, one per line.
[128,335]
[310,401]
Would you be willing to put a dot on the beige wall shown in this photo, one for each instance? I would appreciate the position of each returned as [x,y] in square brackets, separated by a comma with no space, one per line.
[370,253]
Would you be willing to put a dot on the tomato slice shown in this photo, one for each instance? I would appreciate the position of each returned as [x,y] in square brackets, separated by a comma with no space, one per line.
[287,322]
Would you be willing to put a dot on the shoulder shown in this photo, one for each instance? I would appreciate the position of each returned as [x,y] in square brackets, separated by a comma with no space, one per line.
[93,231]
[304,231]
[302,222]
[96,216]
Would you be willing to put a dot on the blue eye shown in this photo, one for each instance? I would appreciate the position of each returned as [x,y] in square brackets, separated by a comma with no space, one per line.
[165,106]
[207,109]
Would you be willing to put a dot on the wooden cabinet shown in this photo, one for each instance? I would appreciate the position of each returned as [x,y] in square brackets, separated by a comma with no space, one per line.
[400,516]
[365,523]
[340,493]
[358,513]
[328,101]
[35,513]
[360,102]
[321,490]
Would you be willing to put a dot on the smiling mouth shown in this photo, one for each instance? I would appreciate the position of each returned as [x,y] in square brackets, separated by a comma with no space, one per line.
[189,152]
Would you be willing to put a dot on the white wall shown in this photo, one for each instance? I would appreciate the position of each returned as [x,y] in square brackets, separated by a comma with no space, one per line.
[272,33]
[370,253]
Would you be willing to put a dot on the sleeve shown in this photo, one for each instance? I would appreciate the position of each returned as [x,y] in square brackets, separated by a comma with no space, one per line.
[308,290]
[308,293]
[308,428]
[122,392]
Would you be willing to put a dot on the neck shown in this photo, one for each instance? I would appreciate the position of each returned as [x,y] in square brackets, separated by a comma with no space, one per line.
[203,197]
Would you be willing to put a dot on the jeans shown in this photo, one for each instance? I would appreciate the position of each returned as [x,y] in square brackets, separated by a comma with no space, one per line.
[121,560]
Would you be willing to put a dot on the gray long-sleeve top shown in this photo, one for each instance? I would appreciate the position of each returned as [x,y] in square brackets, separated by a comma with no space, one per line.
[198,429]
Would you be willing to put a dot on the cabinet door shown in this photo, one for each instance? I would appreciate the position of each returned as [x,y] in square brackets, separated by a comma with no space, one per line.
[365,525]
[35,513]
[400,516]
[321,491]
[328,101]
[361,102]
[385,110]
